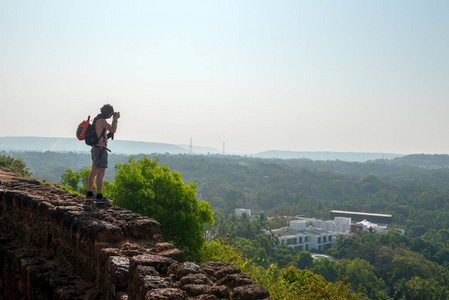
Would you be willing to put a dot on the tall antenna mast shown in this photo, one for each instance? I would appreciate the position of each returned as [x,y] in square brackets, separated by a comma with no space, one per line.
[190,145]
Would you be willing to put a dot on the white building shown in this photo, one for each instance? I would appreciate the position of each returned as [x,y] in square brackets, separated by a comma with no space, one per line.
[325,225]
[379,229]
[366,225]
[300,225]
[343,224]
[339,224]
[320,239]
[240,211]
[296,239]
[303,238]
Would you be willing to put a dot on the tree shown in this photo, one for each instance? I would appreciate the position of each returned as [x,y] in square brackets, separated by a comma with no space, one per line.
[326,268]
[146,188]
[264,242]
[289,283]
[418,288]
[261,257]
[70,179]
[305,282]
[15,165]
[283,255]
[304,260]
[77,181]
[361,276]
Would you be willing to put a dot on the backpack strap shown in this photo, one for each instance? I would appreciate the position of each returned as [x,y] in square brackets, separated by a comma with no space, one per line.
[103,134]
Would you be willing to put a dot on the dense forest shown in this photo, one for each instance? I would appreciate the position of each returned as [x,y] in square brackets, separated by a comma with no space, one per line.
[414,189]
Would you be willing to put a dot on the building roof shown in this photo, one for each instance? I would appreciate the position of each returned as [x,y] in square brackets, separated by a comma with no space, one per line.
[286,232]
[367,223]
[309,232]
[360,213]
[317,230]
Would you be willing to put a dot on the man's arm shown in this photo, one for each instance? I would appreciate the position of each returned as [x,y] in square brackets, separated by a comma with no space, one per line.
[111,128]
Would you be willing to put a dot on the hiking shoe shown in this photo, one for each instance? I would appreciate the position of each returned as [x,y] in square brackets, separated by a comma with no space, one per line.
[103,200]
[90,199]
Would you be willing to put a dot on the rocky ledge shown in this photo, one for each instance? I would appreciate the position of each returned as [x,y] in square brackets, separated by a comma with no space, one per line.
[54,246]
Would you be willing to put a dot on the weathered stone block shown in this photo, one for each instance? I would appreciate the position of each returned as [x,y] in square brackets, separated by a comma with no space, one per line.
[101,231]
[175,254]
[156,282]
[145,228]
[44,208]
[161,247]
[201,289]
[250,292]
[218,270]
[183,269]
[204,297]
[69,214]
[26,202]
[144,279]
[166,294]
[9,197]
[235,280]
[195,279]
[18,199]
[118,270]
[160,263]
[145,271]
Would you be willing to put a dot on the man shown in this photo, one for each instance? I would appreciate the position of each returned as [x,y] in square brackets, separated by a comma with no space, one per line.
[100,151]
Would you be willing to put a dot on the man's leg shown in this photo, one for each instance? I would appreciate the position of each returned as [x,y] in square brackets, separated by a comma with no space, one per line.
[91,178]
[100,157]
[100,176]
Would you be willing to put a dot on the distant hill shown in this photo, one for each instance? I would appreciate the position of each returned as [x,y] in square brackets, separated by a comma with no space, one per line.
[201,150]
[427,161]
[42,144]
[343,156]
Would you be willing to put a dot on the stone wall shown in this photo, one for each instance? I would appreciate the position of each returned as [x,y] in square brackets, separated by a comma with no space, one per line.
[54,246]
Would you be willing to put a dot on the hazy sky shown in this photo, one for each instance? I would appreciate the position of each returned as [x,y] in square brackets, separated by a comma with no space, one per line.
[351,76]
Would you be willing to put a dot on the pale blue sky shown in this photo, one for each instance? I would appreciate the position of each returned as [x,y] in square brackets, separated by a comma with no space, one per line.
[352,76]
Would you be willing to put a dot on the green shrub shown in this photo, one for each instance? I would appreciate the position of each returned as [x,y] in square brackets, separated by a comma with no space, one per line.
[288,283]
[148,189]
[15,165]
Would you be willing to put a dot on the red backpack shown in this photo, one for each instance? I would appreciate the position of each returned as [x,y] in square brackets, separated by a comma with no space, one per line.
[86,132]
[82,129]
[91,137]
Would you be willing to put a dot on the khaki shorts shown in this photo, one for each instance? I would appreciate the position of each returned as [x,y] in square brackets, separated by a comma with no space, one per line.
[99,157]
